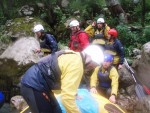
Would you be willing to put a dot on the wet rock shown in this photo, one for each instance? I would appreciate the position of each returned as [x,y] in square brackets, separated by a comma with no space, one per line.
[136,52]
[26,10]
[23,26]
[22,51]
[142,66]
[131,90]
[125,78]
[122,91]
[18,102]
[143,105]
[64,3]
[126,102]
[40,5]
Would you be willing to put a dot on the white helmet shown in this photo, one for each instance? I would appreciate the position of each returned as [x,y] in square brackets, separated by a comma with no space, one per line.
[100,20]
[95,52]
[38,28]
[74,23]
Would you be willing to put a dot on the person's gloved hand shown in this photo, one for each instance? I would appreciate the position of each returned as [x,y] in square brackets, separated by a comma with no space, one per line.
[112,99]
[37,50]
[94,24]
[120,66]
[93,90]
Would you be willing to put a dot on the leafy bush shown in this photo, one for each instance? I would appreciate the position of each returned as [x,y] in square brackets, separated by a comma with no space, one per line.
[129,39]
[147,18]
[87,8]
[146,35]
[61,17]
[4,38]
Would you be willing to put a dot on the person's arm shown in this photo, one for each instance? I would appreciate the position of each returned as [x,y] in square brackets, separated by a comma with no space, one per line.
[52,43]
[114,81]
[93,80]
[120,51]
[72,71]
[90,31]
[107,28]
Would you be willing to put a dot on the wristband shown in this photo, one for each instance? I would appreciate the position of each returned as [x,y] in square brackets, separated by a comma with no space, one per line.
[93,87]
[113,94]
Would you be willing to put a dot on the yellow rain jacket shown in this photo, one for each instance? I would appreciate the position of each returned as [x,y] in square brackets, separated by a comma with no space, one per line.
[91,31]
[113,75]
[71,66]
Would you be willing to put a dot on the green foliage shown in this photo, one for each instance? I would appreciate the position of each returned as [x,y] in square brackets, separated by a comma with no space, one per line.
[129,39]
[4,38]
[146,35]
[24,25]
[133,39]
[64,42]
[147,18]
[147,5]
[87,8]
[61,17]
[112,21]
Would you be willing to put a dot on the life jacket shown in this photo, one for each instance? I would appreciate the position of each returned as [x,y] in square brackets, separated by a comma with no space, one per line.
[75,43]
[103,31]
[103,78]
[51,71]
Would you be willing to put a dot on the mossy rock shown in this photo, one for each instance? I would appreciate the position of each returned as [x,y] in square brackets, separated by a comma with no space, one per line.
[24,25]
[11,70]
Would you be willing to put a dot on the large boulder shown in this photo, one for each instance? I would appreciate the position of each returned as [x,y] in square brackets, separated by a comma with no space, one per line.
[14,61]
[143,105]
[125,78]
[22,50]
[142,66]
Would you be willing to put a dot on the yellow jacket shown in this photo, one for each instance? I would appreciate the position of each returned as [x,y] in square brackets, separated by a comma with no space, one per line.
[113,75]
[71,67]
[91,31]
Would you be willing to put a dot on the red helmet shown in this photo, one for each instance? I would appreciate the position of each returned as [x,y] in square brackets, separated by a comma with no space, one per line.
[113,33]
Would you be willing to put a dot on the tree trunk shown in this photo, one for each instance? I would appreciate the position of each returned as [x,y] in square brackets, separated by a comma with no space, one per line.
[143,13]
[5,14]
